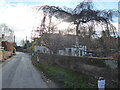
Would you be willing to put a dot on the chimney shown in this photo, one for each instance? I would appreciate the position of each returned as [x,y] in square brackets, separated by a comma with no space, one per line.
[26,38]
[14,38]
[3,36]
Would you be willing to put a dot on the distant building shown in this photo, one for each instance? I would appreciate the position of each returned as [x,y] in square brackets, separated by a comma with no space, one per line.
[6,33]
[71,51]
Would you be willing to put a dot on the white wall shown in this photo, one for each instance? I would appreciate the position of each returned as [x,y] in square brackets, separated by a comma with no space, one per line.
[73,51]
[41,49]
[61,52]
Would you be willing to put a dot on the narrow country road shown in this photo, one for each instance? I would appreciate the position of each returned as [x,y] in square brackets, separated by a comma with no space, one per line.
[20,73]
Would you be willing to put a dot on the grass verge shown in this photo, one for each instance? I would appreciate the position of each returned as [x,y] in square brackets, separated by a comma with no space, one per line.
[67,78]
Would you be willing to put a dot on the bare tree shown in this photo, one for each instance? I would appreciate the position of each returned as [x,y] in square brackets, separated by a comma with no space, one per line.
[84,13]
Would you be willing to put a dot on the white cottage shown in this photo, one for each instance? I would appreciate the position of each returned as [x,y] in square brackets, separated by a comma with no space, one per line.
[42,49]
[72,51]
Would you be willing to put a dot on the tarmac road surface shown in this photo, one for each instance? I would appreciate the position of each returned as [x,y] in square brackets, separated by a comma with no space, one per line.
[20,73]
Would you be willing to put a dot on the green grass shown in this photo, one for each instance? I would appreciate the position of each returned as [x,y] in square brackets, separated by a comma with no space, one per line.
[99,58]
[69,78]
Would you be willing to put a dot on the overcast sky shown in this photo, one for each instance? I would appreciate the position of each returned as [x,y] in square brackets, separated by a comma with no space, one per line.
[20,17]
